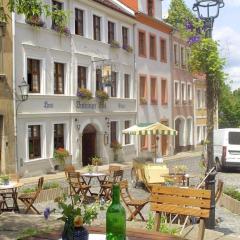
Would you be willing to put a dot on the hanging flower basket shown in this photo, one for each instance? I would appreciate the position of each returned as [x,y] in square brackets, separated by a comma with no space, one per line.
[84,93]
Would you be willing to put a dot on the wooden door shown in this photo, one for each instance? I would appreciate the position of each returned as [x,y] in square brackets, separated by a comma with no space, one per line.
[88,145]
[177,141]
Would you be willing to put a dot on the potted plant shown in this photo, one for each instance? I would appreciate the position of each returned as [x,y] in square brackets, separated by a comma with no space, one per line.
[115,44]
[180,169]
[60,21]
[102,97]
[5,179]
[90,168]
[60,156]
[116,146]
[128,48]
[32,9]
[96,161]
[84,93]
[75,216]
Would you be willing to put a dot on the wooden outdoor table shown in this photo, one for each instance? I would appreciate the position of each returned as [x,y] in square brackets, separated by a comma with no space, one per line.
[97,175]
[132,233]
[11,189]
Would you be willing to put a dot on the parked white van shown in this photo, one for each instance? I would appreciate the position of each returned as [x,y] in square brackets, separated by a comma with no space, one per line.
[226,148]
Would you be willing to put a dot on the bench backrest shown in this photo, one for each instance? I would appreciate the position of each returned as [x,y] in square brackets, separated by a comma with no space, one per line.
[182,201]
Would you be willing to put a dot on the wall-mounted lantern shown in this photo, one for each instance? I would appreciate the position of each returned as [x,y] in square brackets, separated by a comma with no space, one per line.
[106,138]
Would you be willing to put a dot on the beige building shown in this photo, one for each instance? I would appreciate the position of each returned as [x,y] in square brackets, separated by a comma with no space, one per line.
[7,139]
[200,109]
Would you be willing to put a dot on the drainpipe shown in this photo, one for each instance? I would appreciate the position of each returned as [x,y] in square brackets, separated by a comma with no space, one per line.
[172,88]
[135,82]
[14,92]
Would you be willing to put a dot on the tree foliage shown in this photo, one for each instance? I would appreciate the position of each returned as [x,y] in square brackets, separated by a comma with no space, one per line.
[204,55]
[205,58]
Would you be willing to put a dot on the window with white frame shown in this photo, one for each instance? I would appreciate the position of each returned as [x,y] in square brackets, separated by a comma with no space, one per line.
[113,131]
[114,85]
[34,75]
[59,136]
[79,22]
[183,57]
[204,98]
[189,92]
[177,91]
[34,141]
[199,105]
[198,134]
[127,136]
[126,86]
[183,92]
[176,54]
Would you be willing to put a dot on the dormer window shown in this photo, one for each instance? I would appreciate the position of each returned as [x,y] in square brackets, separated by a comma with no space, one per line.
[150,8]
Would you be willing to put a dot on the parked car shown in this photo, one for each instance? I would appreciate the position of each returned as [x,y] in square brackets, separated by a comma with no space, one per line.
[226,146]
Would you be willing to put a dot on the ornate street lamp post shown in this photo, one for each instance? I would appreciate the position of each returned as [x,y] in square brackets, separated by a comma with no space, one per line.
[207,11]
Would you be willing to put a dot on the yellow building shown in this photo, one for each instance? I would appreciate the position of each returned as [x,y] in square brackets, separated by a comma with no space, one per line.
[7,139]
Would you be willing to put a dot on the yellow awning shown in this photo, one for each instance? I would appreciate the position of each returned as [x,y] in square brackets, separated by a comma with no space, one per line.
[150,129]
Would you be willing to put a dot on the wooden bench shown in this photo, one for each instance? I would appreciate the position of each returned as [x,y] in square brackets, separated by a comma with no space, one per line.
[181,201]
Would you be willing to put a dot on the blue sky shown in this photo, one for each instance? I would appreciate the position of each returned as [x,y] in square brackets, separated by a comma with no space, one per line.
[227,32]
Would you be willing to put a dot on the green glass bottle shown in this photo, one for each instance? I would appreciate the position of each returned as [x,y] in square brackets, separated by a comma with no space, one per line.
[116,217]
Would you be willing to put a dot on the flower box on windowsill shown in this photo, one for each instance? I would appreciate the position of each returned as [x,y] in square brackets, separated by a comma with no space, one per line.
[115,44]
[65,31]
[84,93]
[143,101]
[127,48]
[35,21]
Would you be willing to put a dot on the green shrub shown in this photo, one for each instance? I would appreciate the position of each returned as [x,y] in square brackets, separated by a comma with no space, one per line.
[29,190]
[164,227]
[232,192]
[50,185]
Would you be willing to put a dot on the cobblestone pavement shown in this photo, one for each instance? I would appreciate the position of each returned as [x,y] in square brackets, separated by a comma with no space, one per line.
[228,222]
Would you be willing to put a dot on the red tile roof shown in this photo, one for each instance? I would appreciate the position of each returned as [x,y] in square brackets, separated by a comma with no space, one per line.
[110,4]
[133,4]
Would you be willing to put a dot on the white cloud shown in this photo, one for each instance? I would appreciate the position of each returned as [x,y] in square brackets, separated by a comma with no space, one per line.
[234,76]
[229,40]
[232,3]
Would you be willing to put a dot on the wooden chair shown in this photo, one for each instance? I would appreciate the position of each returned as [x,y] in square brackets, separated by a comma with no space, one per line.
[130,203]
[181,201]
[69,168]
[29,198]
[106,186]
[78,186]
[1,205]
[219,191]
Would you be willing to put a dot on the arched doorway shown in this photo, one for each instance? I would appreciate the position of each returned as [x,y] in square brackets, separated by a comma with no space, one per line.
[179,139]
[189,133]
[88,144]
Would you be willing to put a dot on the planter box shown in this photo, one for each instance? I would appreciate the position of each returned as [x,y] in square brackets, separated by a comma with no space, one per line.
[51,194]
[229,203]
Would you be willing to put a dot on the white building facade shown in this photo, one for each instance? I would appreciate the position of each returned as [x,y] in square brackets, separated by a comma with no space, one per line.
[56,66]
